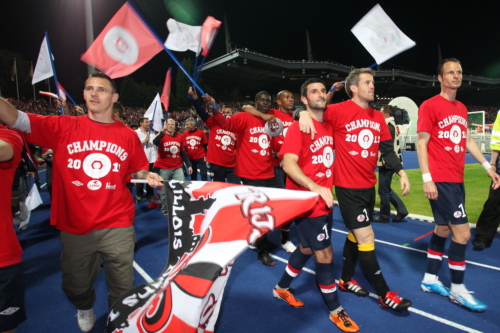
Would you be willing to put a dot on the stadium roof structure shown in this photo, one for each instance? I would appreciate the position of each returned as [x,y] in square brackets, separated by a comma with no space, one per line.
[244,73]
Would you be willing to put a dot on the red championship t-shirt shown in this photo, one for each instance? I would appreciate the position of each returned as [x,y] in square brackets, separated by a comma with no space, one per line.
[357,133]
[277,141]
[10,250]
[195,142]
[92,165]
[446,122]
[253,157]
[315,160]
[169,152]
[221,146]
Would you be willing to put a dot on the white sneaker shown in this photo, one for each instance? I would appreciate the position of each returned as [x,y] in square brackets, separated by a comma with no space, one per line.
[288,247]
[86,319]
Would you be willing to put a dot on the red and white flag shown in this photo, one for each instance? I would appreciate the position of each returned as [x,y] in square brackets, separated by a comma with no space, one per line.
[165,95]
[62,92]
[208,31]
[186,297]
[125,44]
[43,67]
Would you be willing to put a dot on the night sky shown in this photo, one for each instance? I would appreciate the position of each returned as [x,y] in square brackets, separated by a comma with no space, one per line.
[467,30]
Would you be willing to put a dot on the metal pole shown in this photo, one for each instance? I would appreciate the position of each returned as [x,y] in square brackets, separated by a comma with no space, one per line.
[89,29]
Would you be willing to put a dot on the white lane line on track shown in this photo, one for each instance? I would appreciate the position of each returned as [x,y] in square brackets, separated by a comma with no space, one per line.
[142,273]
[422,251]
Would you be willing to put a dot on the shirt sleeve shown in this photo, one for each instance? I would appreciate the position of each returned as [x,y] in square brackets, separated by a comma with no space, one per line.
[293,141]
[424,122]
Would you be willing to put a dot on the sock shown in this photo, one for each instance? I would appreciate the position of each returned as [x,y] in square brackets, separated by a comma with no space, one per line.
[327,285]
[430,278]
[457,288]
[456,262]
[350,257]
[369,263]
[340,308]
[295,264]
[435,254]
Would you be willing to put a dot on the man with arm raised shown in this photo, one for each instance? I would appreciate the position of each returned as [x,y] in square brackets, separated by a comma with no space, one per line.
[93,158]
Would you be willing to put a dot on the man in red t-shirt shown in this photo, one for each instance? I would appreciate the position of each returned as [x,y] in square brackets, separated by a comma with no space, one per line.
[221,146]
[360,132]
[253,154]
[308,165]
[171,153]
[11,286]
[195,141]
[94,156]
[286,105]
[443,138]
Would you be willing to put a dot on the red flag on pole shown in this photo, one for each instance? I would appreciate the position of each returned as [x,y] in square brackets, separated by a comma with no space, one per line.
[123,46]
[208,30]
[62,92]
[165,95]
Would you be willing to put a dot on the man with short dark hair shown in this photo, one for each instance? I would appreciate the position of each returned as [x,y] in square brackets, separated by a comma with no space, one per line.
[253,155]
[308,165]
[359,133]
[118,113]
[93,157]
[443,138]
[385,173]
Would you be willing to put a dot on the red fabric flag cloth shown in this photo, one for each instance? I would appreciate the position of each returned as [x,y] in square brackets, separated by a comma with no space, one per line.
[210,224]
[208,30]
[123,46]
[165,95]
[62,92]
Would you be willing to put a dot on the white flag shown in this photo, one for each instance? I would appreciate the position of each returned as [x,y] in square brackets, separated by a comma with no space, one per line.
[155,113]
[33,200]
[183,37]
[380,36]
[43,68]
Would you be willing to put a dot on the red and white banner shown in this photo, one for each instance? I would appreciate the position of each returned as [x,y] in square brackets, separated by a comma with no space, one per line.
[165,95]
[208,31]
[62,92]
[183,37]
[123,46]
[210,224]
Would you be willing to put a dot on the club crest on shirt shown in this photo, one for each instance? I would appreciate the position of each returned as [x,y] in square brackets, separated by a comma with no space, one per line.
[361,218]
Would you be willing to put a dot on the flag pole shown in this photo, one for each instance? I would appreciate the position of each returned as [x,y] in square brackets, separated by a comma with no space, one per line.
[33,85]
[168,51]
[53,70]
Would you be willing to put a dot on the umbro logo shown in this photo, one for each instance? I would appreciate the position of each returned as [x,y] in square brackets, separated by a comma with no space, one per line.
[254,151]
[8,311]
[320,174]
[77,183]
[448,148]
[353,152]
[378,272]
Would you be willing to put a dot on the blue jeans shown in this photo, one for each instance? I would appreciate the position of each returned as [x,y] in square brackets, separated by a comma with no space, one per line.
[387,195]
[168,174]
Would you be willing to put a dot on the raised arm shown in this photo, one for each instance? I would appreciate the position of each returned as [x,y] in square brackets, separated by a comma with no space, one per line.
[337,86]
[8,113]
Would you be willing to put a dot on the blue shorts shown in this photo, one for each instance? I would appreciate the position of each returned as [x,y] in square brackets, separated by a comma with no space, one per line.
[450,205]
[315,232]
[356,206]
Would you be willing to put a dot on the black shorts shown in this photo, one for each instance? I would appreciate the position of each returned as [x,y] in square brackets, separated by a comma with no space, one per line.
[12,311]
[450,205]
[268,182]
[356,206]
[315,232]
